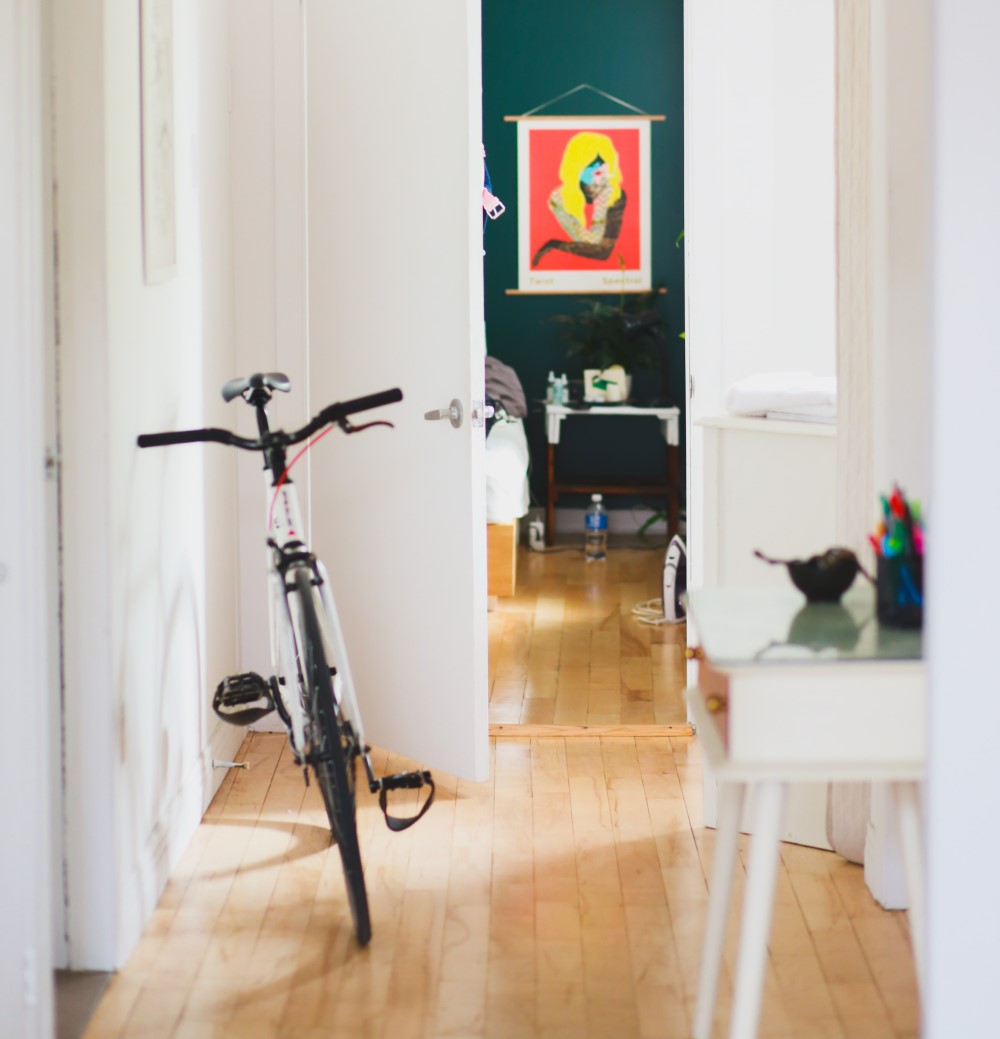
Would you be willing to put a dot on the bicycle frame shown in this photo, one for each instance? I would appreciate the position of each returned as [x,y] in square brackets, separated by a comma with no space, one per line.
[288,552]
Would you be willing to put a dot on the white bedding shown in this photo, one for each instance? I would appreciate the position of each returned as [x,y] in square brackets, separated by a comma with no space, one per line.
[506,472]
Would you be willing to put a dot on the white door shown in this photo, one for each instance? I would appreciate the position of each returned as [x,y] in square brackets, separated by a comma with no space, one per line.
[394,223]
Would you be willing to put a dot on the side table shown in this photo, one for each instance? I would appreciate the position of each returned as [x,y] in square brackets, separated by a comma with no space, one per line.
[789,692]
[666,487]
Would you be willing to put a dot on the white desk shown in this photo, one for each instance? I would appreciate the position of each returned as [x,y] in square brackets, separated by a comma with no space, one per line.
[789,693]
[667,488]
[669,418]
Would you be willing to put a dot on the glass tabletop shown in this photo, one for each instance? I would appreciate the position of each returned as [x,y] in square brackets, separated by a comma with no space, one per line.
[768,625]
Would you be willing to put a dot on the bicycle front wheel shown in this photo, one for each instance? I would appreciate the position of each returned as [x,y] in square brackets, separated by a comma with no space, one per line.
[332,754]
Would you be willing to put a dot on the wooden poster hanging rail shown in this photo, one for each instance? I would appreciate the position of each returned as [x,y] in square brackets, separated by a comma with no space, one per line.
[596,118]
[582,292]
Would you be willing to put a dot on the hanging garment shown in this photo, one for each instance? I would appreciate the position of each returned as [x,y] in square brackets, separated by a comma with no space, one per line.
[504,392]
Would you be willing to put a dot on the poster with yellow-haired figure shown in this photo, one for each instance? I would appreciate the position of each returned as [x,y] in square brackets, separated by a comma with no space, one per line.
[583,205]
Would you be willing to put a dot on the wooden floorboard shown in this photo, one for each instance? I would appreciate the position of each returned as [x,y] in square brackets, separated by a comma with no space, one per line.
[567,650]
[521,729]
[565,896]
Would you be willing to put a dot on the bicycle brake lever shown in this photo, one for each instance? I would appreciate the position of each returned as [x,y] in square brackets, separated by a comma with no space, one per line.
[347,427]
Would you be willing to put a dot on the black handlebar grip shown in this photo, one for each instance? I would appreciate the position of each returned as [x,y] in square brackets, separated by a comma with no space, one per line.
[373,400]
[184,436]
[336,412]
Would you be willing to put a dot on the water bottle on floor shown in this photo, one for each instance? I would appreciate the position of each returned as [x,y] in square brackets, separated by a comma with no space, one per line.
[596,544]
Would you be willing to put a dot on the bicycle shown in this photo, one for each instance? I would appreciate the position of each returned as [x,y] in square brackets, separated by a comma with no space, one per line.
[311,689]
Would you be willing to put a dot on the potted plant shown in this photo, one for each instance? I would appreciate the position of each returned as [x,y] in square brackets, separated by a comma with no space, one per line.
[613,341]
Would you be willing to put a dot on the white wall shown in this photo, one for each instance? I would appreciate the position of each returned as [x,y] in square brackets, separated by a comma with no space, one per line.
[759,202]
[147,536]
[25,946]
[963,841]
[901,199]
[267,129]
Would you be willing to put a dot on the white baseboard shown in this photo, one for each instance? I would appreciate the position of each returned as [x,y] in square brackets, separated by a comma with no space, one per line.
[269,723]
[224,743]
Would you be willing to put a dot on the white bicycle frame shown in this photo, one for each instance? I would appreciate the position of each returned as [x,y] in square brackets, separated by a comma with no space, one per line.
[286,530]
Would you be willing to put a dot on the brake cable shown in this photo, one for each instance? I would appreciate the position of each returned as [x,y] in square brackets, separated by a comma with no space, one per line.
[346,426]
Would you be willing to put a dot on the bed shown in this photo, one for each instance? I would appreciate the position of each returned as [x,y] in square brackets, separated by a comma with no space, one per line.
[506,502]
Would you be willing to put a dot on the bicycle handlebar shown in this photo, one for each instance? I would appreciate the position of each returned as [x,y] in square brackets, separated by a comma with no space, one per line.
[329,415]
[194,436]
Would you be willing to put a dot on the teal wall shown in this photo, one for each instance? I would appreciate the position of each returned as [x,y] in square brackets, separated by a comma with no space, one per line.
[534,50]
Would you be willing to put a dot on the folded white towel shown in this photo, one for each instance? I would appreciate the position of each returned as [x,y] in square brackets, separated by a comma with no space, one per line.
[822,413]
[781,391]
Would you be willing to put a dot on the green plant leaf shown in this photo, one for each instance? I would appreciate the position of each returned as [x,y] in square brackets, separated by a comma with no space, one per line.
[630,333]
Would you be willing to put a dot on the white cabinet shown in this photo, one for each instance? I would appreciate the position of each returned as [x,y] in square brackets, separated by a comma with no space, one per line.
[769,485]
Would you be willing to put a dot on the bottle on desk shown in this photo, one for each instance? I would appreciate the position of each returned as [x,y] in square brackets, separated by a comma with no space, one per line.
[596,542]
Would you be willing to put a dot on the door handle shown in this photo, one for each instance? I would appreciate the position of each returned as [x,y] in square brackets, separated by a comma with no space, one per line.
[453,413]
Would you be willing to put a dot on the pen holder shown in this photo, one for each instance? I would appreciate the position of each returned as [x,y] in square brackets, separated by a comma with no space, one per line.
[900,591]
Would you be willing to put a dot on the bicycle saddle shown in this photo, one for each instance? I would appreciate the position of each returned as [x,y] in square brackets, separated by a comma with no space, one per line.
[271,381]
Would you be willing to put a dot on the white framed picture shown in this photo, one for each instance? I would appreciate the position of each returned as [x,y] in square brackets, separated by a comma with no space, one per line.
[583,204]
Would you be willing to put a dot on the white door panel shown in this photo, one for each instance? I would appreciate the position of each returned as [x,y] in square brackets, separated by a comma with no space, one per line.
[395,299]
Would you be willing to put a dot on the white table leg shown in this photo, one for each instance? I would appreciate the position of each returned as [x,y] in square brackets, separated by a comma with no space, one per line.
[758,902]
[731,797]
[907,797]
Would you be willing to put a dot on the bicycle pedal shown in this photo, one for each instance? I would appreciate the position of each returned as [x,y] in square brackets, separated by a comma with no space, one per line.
[406,781]
[243,699]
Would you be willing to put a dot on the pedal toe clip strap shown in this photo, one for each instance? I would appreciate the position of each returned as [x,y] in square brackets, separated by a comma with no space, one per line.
[404,781]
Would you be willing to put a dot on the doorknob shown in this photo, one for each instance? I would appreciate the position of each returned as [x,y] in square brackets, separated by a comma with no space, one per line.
[453,414]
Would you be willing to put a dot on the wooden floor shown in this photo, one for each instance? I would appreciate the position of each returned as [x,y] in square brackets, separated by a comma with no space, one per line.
[562,898]
[566,650]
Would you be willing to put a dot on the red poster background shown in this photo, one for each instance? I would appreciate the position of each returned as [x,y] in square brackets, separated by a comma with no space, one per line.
[546,154]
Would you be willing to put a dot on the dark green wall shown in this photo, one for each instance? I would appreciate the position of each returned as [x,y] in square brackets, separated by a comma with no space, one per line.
[534,50]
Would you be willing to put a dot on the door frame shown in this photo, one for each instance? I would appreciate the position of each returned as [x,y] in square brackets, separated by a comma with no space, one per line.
[25,890]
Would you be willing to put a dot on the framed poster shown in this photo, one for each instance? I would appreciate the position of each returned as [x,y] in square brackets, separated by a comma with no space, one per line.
[583,204]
